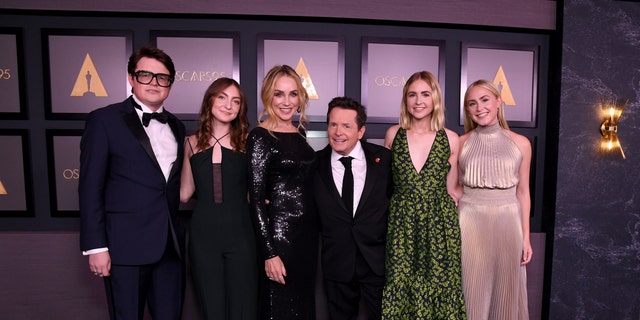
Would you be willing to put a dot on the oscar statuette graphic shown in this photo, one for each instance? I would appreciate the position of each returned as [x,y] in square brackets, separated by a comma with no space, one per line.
[301,69]
[88,82]
[501,82]
[3,191]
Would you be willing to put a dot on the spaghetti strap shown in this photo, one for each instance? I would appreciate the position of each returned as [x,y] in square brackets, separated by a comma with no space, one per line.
[218,139]
[190,146]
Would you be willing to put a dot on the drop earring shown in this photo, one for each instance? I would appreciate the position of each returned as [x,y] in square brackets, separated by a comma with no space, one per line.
[299,109]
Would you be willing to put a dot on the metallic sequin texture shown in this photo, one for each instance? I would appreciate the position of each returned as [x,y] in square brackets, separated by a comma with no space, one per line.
[279,170]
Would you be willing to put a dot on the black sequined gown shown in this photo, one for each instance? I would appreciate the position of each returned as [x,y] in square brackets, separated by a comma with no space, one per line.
[279,170]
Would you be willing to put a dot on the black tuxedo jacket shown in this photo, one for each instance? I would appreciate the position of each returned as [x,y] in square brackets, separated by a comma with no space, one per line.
[342,233]
[125,202]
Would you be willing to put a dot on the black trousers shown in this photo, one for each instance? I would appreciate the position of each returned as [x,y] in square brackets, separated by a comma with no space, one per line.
[160,286]
[343,298]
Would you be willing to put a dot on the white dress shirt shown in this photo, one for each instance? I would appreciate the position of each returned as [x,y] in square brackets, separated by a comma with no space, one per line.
[163,142]
[358,167]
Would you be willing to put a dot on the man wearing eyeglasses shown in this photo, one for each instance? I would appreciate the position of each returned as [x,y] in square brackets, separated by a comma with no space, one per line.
[130,161]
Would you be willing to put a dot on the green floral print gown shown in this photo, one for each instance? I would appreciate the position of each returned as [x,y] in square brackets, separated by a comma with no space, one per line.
[423,261]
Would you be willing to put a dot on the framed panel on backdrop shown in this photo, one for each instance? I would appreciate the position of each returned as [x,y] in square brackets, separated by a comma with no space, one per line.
[319,60]
[63,150]
[532,173]
[12,88]
[317,139]
[513,69]
[378,141]
[200,58]
[387,64]
[84,70]
[15,174]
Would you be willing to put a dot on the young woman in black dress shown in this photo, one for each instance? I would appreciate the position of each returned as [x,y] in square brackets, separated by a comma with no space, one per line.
[221,238]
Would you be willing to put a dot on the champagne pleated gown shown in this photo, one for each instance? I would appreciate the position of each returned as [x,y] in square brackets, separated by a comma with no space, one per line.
[494,282]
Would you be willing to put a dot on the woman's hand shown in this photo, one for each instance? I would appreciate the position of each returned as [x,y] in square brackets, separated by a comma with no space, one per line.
[527,252]
[275,270]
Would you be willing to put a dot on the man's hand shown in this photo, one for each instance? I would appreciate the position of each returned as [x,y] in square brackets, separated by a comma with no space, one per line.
[100,263]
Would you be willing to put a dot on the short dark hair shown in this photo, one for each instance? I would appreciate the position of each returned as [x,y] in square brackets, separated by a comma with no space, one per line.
[153,53]
[349,104]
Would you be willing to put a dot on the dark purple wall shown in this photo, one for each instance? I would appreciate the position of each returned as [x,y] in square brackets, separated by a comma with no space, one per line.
[596,258]
[533,14]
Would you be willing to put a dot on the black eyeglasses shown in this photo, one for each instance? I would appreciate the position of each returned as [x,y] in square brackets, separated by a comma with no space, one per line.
[145,77]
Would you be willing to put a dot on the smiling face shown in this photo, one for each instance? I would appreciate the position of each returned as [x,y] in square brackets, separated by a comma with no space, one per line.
[226,105]
[151,95]
[482,106]
[286,98]
[343,130]
[419,99]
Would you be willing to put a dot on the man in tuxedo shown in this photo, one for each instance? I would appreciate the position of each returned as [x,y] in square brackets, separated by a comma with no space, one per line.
[130,161]
[352,183]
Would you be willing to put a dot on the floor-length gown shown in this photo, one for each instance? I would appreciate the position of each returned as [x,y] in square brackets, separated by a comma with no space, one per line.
[280,172]
[491,224]
[221,238]
[423,241]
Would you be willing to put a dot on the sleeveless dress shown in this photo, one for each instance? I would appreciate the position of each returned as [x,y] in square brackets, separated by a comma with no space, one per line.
[221,238]
[280,171]
[494,282]
[423,240]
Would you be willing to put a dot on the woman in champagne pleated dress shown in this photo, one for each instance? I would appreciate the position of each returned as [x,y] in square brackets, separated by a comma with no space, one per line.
[494,209]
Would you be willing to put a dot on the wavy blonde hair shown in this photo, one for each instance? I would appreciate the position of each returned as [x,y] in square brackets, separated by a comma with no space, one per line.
[268,89]
[486,84]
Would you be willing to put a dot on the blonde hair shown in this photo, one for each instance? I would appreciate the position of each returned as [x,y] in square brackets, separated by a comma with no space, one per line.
[437,115]
[486,84]
[268,89]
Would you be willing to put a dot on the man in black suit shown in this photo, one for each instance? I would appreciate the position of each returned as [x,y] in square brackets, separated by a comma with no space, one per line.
[130,161]
[352,188]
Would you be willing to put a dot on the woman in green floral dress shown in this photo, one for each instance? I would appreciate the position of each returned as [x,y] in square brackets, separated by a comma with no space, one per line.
[423,240]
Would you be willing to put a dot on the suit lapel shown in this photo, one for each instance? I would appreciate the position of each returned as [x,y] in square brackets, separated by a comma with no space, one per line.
[130,117]
[173,123]
[326,174]
[370,179]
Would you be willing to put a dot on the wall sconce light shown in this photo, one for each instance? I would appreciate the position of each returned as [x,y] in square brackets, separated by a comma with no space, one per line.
[609,127]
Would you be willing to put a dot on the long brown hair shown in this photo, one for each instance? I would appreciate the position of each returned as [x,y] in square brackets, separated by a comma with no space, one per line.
[268,88]
[239,125]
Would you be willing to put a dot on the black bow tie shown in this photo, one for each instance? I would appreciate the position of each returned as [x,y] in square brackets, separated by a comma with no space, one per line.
[160,116]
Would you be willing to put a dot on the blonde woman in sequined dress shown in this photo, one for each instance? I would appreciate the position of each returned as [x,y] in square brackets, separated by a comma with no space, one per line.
[280,163]
[494,209]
